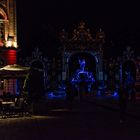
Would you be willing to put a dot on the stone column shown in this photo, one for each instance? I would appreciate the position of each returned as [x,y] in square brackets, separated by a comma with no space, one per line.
[12,19]
[64,67]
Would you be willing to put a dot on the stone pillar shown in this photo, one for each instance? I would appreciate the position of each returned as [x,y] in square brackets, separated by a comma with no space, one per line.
[12,19]
[64,61]
[99,68]
[120,72]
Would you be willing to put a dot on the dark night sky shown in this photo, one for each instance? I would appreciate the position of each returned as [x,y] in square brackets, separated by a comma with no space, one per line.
[39,23]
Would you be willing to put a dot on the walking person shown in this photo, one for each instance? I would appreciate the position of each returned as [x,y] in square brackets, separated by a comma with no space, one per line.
[123,99]
[69,94]
[133,93]
[130,86]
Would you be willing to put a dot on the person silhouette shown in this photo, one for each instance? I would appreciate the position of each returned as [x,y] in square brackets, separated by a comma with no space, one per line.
[130,85]
[123,99]
[70,93]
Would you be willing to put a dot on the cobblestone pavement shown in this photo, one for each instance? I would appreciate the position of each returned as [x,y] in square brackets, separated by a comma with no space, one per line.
[91,119]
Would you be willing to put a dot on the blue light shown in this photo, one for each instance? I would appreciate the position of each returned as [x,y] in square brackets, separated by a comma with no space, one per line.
[82,75]
[115,94]
[56,94]
[98,92]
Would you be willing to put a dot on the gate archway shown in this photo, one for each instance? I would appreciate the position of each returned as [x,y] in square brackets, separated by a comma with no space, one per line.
[82,42]
[90,63]
[91,60]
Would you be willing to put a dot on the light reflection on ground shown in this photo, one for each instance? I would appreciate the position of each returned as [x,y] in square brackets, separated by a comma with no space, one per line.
[35,117]
[59,110]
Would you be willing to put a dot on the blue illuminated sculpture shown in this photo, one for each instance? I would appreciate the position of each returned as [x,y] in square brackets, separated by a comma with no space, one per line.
[82,64]
[83,76]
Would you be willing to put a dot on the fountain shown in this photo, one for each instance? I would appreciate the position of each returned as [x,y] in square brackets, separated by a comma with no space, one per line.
[82,75]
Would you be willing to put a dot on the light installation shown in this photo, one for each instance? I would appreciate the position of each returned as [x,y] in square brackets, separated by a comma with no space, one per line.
[79,76]
[82,75]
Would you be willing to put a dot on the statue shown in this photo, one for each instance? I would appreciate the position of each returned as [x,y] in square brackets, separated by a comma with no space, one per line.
[81,74]
[82,78]
[82,64]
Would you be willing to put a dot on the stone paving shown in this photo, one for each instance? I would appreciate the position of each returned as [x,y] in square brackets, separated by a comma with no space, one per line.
[92,119]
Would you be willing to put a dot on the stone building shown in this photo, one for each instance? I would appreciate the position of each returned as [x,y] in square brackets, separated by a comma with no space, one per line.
[8,32]
[8,42]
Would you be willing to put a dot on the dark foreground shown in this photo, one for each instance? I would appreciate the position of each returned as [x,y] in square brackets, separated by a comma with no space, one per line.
[97,120]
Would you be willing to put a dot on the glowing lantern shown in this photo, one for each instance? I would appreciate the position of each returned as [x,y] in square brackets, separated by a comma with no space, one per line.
[10,42]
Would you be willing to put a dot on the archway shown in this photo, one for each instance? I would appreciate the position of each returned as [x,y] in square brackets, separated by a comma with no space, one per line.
[3,18]
[82,69]
[90,63]
[3,14]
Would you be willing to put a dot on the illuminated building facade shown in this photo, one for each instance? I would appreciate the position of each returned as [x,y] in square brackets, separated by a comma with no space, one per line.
[8,32]
[8,42]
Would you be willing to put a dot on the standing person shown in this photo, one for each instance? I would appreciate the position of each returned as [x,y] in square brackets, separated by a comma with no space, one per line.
[82,89]
[69,94]
[123,98]
[133,92]
[130,85]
